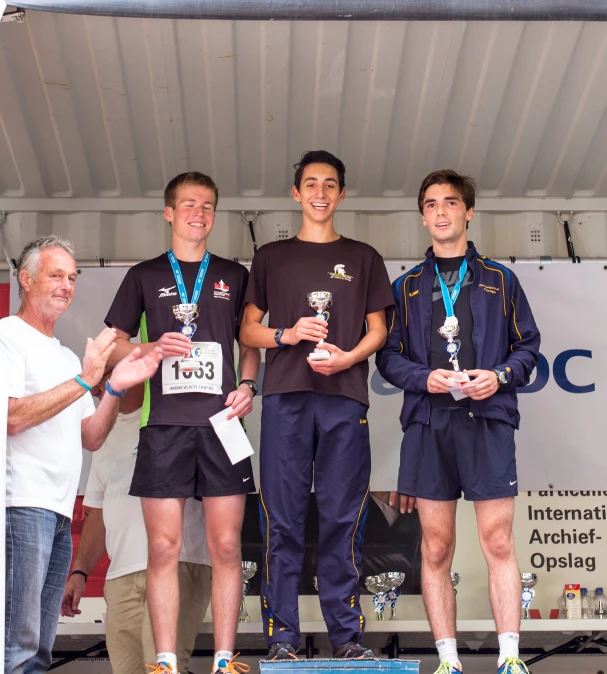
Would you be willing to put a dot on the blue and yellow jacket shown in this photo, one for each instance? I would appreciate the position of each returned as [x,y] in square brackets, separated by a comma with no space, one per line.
[504,336]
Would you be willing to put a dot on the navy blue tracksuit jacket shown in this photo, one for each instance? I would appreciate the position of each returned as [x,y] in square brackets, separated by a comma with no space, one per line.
[504,336]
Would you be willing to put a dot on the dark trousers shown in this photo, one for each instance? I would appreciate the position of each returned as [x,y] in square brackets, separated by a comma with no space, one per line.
[306,435]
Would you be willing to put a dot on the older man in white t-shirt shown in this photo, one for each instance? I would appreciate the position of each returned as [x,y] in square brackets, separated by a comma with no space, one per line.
[51,417]
[115,523]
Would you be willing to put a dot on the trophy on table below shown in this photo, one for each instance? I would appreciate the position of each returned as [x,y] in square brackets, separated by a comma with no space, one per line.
[393,580]
[249,569]
[528,581]
[320,301]
[380,598]
[187,313]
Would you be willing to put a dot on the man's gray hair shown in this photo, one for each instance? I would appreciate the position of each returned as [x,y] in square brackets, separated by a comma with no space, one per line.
[30,255]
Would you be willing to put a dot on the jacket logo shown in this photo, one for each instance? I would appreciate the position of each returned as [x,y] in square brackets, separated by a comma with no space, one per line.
[413,293]
[492,290]
[339,272]
[166,292]
[222,291]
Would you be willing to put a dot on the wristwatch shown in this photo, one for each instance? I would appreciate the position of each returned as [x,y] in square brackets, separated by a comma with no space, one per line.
[277,336]
[251,384]
[502,377]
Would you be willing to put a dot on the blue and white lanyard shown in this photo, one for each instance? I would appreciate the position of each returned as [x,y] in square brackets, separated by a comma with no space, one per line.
[449,299]
[202,271]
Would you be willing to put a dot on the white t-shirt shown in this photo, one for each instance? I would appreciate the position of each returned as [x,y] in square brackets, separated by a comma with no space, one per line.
[42,463]
[108,488]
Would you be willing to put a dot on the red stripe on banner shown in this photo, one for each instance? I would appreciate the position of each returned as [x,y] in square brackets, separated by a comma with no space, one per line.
[4,295]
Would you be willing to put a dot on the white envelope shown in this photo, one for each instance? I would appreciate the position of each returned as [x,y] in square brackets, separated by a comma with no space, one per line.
[232,436]
[459,392]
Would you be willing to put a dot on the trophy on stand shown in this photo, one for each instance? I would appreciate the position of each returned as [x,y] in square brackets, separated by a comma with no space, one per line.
[528,581]
[249,569]
[455,578]
[186,313]
[380,591]
[393,580]
[320,301]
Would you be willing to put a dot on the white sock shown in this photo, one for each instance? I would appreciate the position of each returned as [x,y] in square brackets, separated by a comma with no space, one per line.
[222,655]
[169,658]
[447,650]
[508,646]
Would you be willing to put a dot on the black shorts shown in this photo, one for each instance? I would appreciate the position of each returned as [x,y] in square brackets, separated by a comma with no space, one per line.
[185,461]
[456,452]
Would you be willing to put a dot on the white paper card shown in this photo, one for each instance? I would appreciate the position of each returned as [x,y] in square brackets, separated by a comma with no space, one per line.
[458,392]
[231,435]
[2,7]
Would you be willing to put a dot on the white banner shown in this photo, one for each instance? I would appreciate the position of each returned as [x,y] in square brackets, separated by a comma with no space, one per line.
[560,533]
[563,419]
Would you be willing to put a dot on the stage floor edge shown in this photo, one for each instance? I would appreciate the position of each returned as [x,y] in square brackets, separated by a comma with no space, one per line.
[328,665]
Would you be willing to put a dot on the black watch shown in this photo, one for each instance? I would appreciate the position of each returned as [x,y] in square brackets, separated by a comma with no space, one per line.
[251,384]
[277,337]
[502,377]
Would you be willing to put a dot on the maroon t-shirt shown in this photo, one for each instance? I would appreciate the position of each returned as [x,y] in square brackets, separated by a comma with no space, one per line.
[282,275]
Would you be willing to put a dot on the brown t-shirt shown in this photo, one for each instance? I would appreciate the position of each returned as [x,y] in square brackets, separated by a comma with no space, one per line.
[282,275]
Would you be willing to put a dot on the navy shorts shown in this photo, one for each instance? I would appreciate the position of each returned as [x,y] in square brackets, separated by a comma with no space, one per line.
[457,452]
[187,461]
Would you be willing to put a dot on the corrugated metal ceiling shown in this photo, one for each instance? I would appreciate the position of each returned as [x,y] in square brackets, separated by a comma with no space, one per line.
[96,106]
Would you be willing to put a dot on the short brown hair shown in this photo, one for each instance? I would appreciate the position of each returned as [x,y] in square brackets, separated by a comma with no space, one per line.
[190,178]
[465,186]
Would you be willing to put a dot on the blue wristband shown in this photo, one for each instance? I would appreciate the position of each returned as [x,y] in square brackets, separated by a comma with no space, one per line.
[82,382]
[110,390]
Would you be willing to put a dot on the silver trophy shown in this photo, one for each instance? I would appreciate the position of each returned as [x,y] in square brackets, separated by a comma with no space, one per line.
[392,579]
[186,313]
[249,569]
[455,578]
[449,331]
[315,582]
[380,591]
[528,581]
[320,301]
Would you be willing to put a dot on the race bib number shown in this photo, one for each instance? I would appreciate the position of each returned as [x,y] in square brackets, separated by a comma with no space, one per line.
[207,378]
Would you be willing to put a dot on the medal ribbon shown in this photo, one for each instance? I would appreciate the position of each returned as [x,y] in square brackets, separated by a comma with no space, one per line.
[202,271]
[449,299]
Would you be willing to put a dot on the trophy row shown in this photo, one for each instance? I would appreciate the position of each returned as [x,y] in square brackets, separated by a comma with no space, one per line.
[384,587]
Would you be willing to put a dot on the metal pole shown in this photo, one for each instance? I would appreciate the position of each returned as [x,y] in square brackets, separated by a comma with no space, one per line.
[337,10]
[544,260]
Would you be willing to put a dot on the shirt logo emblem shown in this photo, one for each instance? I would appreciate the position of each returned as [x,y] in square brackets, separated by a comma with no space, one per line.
[166,292]
[339,272]
[222,291]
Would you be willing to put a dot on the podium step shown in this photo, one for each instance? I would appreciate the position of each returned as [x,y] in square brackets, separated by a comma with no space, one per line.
[339,666]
